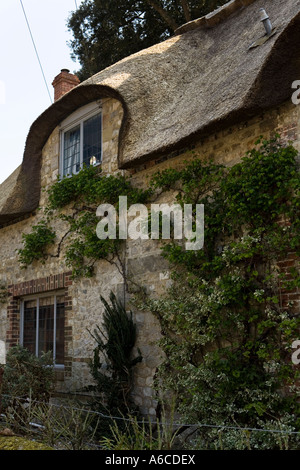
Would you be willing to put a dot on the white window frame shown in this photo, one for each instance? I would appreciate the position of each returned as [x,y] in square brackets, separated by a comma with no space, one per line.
[37,297]
[77,119]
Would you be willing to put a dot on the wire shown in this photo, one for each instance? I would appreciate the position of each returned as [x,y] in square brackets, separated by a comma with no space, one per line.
[198,425]
[36,50]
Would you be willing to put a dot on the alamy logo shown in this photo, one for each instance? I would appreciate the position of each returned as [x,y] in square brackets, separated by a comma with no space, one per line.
[296,354]
[2,353]
[296,94]
[137,222]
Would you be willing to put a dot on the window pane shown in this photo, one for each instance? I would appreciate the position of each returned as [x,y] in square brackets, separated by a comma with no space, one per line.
[46,324]
[92,140]
[60,330]
[29,338]
[40,314]
[72,151]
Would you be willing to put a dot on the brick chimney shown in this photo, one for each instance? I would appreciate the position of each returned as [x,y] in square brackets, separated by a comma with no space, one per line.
[63,83]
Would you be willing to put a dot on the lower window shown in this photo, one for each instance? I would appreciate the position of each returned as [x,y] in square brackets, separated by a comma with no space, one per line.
[43,325]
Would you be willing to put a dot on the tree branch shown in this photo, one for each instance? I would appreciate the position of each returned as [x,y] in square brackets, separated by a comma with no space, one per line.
[164,14]
[186,10]
[60,245]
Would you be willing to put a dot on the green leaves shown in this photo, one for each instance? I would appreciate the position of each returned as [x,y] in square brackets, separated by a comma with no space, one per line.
[36,243]
[226,330]
[258,189]
[72,189]
[74,200]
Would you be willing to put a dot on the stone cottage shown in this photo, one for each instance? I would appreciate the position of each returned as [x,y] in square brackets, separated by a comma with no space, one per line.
[218,84]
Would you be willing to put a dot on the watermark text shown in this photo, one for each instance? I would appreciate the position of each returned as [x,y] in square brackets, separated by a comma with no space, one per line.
[296,94]
[161,221]
[296,354]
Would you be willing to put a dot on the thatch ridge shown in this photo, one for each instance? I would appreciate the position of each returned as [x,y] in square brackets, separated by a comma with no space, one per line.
[215,17]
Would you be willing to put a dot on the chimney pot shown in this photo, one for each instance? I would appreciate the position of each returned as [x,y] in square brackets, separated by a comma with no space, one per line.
[63,83]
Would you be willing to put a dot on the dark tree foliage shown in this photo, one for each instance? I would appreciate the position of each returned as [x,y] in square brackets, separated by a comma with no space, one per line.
[106,31]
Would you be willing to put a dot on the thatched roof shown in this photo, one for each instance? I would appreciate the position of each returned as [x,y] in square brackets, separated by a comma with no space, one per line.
[7,188]
[202,79]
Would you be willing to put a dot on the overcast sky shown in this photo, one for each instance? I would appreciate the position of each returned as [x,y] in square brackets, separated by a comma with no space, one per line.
[23,93]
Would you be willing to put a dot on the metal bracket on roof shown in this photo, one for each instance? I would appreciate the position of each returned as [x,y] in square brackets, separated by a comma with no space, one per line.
[260,41]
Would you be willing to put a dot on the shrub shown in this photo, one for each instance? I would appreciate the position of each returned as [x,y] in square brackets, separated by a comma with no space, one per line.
[112,364]
[26,378]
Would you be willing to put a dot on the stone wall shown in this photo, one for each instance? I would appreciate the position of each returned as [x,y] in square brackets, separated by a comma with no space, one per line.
[83,305]
[144,264]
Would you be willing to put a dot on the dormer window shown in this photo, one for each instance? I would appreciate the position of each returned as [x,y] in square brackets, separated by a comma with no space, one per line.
[81,139]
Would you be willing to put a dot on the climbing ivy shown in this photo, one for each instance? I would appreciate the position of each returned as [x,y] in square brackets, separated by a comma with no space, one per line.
[74,201]
[226,333]
[36,243]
